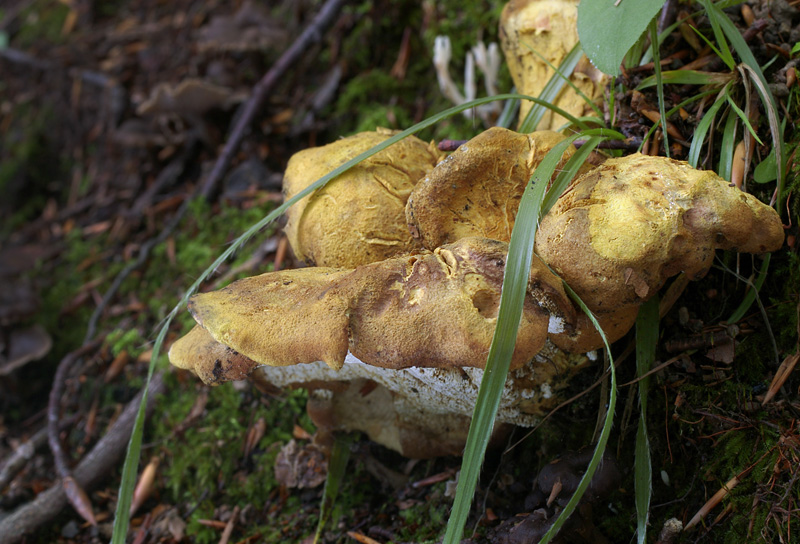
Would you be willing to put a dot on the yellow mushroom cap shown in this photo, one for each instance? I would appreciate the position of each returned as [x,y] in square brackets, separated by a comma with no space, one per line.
[547,28]
[477,189]
[357,218]
[431,310]
[623,228]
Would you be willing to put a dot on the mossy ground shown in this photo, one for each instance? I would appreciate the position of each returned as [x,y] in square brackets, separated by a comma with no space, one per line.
[704,428]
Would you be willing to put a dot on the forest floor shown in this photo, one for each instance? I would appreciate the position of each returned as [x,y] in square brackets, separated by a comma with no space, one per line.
[113,116]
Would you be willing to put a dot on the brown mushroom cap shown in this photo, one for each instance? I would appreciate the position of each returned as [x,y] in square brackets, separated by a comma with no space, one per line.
[212,362]
[530,28]
[440,309]
[357,218]
[622,229]
[477,189]
[432,310]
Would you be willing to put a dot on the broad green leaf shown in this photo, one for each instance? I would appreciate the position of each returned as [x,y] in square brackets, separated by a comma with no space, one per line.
[607,31]
[766,170]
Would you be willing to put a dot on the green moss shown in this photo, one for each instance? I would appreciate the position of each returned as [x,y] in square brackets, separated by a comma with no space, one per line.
[373,97]
[206,459]
[42,20]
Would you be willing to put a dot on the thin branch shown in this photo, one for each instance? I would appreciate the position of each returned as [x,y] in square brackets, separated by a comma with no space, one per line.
[312,34]
[89,472]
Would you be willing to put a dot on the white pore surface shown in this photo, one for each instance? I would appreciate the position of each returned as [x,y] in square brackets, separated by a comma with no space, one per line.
[431,390]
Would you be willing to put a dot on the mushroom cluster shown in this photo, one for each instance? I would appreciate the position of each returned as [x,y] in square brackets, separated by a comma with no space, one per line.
[391,330]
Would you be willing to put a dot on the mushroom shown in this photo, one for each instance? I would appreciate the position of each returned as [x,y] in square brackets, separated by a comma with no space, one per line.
[622,229]
[357,218]
[476,190]
[418,412]
[394,349]
[535,32]
[429,310]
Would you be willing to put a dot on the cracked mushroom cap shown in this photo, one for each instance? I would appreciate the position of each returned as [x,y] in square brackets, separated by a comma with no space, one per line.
[622,229]
[431,310]
[529,28]
[477,189]
[357,218]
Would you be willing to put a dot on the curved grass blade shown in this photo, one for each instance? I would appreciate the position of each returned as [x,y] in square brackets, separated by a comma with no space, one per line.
[512,297]
[714,18]
[604,433]
[727,147]
[687,77]
[646,342]
[672,112]
[551,90]
[768,99]
[659,83]
[567,67]
[129,469]
[703,127]
[743,116]
[572,166]
[336,470]
[750,296]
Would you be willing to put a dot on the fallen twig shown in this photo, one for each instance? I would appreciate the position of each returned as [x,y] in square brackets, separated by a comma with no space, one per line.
[311,34]
[89,472]
[20,456]
[72,488]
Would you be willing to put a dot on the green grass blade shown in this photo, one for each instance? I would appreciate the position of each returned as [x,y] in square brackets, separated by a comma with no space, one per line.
[512,297]
[727,148]
[574,163]
[568,68]
[702,129]
[687,77]
[768,99]
[509,113]
[659,83]
[129,469]
[724,51]
[604,433]
[672,112]
[750,296]
[743,116]
[551,90]
[336,470]
[646,342]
